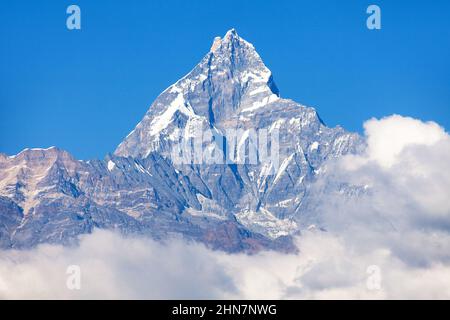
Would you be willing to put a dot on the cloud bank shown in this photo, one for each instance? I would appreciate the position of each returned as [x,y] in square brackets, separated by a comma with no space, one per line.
[390,241]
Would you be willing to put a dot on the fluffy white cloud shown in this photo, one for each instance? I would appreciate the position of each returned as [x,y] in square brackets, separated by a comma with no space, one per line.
[116,267]
[113,267]
[395,233]
[407,166]
[388,137]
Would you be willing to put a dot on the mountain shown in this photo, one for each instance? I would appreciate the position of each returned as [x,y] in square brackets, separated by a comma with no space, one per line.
[220,157]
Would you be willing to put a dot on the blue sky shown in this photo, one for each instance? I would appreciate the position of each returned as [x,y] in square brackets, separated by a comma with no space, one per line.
[84,91]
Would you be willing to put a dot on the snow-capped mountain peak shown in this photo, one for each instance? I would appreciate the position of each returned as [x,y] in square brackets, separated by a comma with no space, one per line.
[231,205]
[231,88]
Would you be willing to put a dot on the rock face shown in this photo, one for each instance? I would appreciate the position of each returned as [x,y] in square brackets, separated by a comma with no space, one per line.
[235,203]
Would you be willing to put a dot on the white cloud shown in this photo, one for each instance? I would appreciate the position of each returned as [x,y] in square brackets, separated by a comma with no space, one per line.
[116,267]
[407,163]
[113,267]
[388,137]
[400,223]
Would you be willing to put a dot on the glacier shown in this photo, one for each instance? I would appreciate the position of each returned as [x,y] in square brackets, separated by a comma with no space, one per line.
[48,196]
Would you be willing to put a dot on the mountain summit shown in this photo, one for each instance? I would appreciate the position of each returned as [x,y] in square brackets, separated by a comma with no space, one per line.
[48,196]
[230,81]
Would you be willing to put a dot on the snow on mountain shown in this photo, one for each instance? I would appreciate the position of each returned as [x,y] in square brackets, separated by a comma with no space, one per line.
[47,196]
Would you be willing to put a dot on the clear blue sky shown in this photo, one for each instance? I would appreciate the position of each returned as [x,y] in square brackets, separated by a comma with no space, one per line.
[84,91]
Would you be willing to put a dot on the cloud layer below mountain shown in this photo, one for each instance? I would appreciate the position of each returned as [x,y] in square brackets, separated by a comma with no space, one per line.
[391,241]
